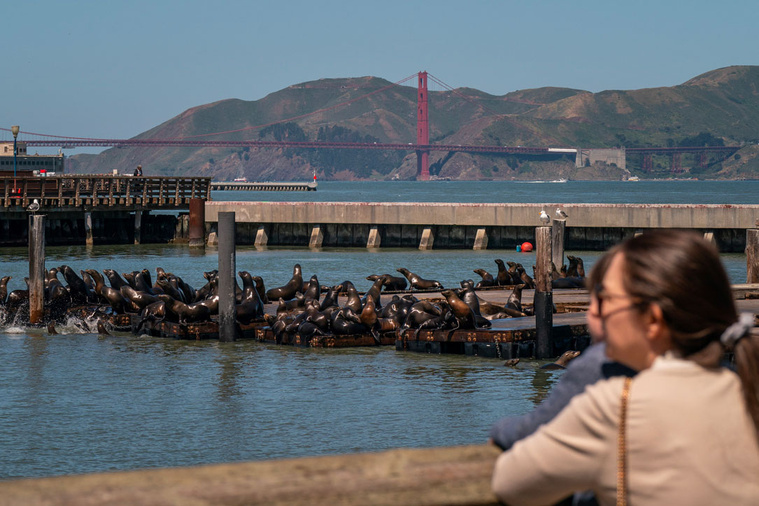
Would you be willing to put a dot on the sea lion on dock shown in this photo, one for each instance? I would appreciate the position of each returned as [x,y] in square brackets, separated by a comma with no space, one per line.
[419,283]
[525,278]
[261,289]
[572,268]
[354,301]
[331,298]
[288,291]
[114,279]
[562,361]
[487,278]
[186,313]
[464,315]
[369,318]
[80,292]
[138,299]
[313,289]
[513,274]
[390,283]
[515,298]
[346,322]
[503,278]
[374,293]
[154,313]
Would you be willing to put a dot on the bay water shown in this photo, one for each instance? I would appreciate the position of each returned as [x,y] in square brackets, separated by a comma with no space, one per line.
[78,402]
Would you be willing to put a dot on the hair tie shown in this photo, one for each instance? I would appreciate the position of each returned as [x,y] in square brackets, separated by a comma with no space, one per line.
[737,330]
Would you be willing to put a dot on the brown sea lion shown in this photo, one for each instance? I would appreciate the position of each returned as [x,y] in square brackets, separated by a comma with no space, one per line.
[461,310]
[487,278]
[562,361]
[138,299]
[186,313]
[511,362]
[51,328]
[419,283]
[114,279]
[502,277]
[288,291]
[4,289]
[102,330]
[391,283]
[354,301]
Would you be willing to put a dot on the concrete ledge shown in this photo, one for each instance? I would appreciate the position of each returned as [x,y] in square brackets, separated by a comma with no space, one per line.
[455,475]
[485,215]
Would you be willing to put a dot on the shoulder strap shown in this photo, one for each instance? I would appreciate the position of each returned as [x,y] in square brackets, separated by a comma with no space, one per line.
[622,447]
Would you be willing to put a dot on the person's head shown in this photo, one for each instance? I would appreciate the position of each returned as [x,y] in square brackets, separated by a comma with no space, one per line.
[663,290]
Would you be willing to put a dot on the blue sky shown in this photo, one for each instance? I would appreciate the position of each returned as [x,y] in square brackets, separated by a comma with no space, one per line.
[115,69]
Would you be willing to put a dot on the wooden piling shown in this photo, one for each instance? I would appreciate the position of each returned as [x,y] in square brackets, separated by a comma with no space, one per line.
[543,302]
[558,227]
[481,239]
[88,237]
[137,226]
[197,223]
[227,318]
[36,268]
[317,237]
[752,254]
[428,239]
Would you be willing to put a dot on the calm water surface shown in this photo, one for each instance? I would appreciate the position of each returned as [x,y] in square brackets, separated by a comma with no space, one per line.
[78,402]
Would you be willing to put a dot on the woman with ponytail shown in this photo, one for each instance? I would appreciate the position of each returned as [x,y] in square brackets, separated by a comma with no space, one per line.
[685,429]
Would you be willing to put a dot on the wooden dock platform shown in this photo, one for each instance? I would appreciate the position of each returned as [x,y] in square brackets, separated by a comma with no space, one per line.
[270,186]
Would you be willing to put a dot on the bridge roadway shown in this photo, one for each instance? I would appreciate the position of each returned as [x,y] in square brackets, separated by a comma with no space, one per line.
[478,226]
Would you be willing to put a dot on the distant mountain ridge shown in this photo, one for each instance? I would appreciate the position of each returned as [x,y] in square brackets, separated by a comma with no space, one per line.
[720,105]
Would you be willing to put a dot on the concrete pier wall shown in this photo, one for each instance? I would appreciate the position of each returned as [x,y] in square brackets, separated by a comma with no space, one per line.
[589,226]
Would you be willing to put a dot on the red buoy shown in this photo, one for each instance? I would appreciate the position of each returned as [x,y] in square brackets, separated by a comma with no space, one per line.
[526,247]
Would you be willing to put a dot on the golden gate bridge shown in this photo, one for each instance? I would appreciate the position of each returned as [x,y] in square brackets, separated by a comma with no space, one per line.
[421,147]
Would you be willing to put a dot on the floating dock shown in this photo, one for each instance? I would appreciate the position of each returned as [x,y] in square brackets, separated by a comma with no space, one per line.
[263,187]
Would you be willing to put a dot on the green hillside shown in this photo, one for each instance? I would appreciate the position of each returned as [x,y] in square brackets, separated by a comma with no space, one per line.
[720,106]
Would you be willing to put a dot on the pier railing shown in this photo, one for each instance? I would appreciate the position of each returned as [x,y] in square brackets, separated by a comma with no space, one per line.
[76,191]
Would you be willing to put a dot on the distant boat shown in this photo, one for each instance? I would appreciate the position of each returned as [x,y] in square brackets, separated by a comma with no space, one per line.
[633,178]
[241,180]
[562,180]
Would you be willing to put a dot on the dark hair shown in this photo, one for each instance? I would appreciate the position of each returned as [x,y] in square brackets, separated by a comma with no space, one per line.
[682,273]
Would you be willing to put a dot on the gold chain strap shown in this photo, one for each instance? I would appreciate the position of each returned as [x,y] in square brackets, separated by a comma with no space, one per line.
[622,448]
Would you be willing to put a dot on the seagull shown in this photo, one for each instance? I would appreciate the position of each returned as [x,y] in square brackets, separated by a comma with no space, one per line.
[544,217]
[34,206]
[561,214]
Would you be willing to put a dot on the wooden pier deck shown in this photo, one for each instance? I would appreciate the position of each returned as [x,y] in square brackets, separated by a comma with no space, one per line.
[266,186]
[104,192]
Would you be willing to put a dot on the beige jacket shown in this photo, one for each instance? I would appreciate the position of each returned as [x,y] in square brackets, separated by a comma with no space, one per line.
[690,441]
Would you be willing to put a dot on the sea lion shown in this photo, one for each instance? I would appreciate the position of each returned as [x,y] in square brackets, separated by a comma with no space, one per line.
[525,278]
[261,289]
[369,317]
[580,267]
[469,296]
[390,283]
[288,291]
[313,290]
[186,313]
[4,289]
[511,362]
[80,292]
[513,274]
[515,298]
[562,361]
[346,322]
[139,299]
[154,313]
[102,330]
[487,278]
[418,282]
[51,328]
[331,298]
[114,279]
[354,301]
[464,315]
[374,293]
[572,269]
[143,282]
[318,318]
[170,290]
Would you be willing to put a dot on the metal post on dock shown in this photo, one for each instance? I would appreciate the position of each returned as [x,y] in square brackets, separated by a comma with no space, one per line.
[197,223]
[752,254]
[36,268]
[543,301]
[227,316]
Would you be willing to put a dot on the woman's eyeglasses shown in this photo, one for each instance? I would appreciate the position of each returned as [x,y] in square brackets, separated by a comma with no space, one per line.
[599,294]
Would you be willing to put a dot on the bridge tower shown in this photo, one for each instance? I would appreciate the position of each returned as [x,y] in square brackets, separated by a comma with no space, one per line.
[422,130]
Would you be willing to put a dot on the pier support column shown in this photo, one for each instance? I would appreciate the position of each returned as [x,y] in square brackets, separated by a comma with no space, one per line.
[428,238]
[88,240]
[374,238]
[709,236]
[197,231]
[543,293]
[227,314]
[316,237]
[36,268]
[137,227]
[262,238]
[752,254]
[481,239]
[557,242]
